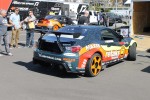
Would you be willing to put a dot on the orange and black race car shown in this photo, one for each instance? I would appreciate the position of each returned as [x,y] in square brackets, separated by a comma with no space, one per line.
[53,22]
[84,49]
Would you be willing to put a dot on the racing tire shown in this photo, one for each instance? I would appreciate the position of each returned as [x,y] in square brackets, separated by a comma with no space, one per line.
[94,65]
[55,27]
[132,53]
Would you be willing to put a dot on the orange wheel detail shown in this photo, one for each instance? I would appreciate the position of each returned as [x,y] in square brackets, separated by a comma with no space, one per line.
[94,65]
[55,27]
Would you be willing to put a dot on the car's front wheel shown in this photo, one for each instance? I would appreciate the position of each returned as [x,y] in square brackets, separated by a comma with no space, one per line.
[132,53]
[94,65]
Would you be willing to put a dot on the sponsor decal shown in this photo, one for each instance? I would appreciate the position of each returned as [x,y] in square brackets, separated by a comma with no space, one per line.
[23,3]
[36,4]
[69,59]
[53,8]
[69,54]
[92,46]
[49,57]
[113,54]
[84,63]
[23,9]
[122,51]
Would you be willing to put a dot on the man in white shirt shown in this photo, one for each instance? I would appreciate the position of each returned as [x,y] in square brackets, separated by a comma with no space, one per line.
[15,21]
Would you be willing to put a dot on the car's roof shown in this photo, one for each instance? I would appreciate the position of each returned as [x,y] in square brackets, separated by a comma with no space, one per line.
[88,26]
[56,15]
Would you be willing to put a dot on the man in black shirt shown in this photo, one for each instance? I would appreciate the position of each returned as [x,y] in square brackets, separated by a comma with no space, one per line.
[83,20]
[104,16]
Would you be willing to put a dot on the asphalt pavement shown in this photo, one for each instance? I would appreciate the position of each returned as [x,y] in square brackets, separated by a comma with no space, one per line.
[21,80]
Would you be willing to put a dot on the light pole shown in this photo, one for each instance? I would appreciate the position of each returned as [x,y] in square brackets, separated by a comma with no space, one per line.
[116,5]
[116,13]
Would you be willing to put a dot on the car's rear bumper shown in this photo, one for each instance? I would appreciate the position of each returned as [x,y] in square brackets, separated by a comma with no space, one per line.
[70,66]
[39,60]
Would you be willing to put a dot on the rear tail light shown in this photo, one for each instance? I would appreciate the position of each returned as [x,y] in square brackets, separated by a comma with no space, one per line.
[76,48]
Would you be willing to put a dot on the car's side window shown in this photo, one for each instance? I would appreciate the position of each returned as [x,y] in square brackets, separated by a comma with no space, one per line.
[107,35]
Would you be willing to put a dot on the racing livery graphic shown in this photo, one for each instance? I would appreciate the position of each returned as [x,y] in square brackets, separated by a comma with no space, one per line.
[83,49]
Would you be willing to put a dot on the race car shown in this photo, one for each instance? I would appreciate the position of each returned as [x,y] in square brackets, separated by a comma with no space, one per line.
[84,49]
[53,22]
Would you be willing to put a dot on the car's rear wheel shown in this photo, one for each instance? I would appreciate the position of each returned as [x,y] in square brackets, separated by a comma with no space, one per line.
[132,53]
[55,27]
[94,65]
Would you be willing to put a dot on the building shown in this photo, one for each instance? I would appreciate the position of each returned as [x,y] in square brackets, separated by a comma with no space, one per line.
[140,16]
[78,1]
[107,3]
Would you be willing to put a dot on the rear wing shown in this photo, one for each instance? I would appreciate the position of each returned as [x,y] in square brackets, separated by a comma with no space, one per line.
[57,33]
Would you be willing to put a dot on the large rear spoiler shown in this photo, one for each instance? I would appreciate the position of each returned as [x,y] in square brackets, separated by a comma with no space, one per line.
[75,35]
[58,34]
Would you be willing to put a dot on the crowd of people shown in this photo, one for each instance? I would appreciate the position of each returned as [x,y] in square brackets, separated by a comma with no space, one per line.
[16,24]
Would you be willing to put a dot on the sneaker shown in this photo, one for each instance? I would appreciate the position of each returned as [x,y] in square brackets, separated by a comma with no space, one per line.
[18,47]
[31,46]
[10,47]
[10,54]
[1,55]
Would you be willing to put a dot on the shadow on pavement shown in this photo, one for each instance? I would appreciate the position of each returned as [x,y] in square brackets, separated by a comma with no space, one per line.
[21,44]
[3,53]
[147,69]
[144,56]
[114,63]
[52,71]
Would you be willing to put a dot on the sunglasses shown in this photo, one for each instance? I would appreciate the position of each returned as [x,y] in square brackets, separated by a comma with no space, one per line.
[30,12]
